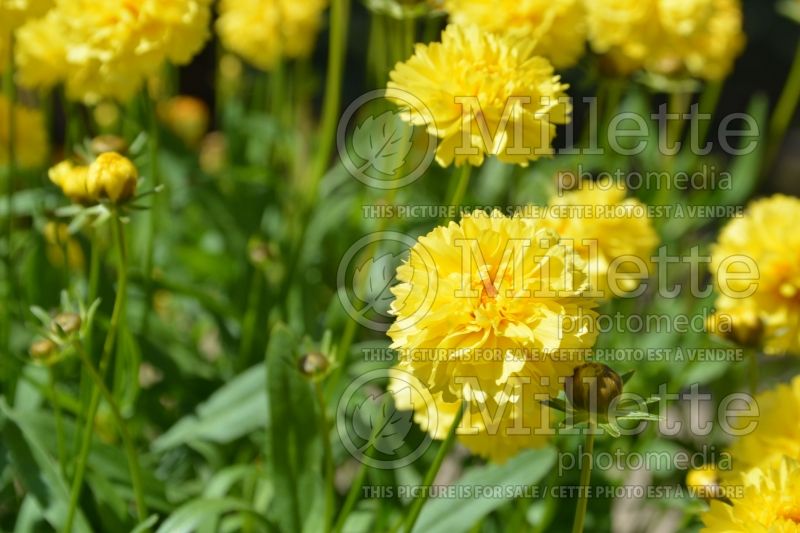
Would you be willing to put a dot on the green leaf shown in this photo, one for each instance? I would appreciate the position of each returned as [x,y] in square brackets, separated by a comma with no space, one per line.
[455,515]
[746,168]
[126,372]
[294,447]
[198,512]
[37,471]
[234,410]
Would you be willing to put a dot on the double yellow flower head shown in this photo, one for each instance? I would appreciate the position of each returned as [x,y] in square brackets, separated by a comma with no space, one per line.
[110,177]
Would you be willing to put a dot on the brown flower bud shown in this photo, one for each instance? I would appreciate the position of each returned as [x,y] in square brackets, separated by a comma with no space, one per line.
[592,387]
[41,349]
[67,323]
[108,143]
[313,364]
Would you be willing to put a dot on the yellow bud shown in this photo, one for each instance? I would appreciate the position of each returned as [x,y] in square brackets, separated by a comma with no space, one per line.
[112,176]
[592,387]
[41,349]
[67,323]
[187,117]
[72,180]
[313,364]
[704,481]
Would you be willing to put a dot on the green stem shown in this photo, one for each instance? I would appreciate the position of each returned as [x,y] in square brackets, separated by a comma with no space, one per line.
[155,178]
[251,317]
[105,360]
[127,442]
[586,474]
[461,187]
[11,94]
[327,455]
[430,475]
[51,386]
[337,47]
[784,110]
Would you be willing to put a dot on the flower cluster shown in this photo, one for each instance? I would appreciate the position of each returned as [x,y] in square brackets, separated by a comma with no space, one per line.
[558,27]
[107,49]
[508,286]
[765,240]
[676,38]
[483,94]
[264,31]
[111,177]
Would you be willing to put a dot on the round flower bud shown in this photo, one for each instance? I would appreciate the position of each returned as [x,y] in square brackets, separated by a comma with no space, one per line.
[704,482]
[67,323]
[313,364]
[72,180]
[187,117]
[738,325]
[592,387]
[41,349]
[112,176]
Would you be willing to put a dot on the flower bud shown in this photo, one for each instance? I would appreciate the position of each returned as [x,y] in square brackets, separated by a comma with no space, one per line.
[704,482]
[67,323]
[72,180]
[112,176]
[592,387]
[739,325]
[313,364]
[187,117]
[41,349]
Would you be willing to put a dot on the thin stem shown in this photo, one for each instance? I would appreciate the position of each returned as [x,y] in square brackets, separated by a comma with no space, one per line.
[51,387]
[430,475]
[784,110]
[127,442]
[105,360]
[337,47]
[11,94]
[461,187]
[251,316]
[155,178]
[586,474]
[327,455]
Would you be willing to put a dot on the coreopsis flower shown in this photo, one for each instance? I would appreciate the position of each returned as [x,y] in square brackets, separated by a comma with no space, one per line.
[770,502]
[30,134]
[71,179]
[764,246]
[482,94]
[612,233]
[557,26]
[112,176]
[490,311]
[264,31]
[695,38]
[776,434]
[107,49]
[13,13]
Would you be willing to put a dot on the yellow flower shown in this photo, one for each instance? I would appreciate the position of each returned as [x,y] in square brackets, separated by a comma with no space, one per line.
[13,13]
[71,179]
[764,246]
[769,503]
[484,94]
[106,49]
[558,26]
[490,311]
[263,31]
[30,138]
[697,38]
[112,176]
[613,234]
[776,434]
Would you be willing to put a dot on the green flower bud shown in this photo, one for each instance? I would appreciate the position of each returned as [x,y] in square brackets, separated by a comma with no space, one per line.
[67,323]
[41,349]
[313,364]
